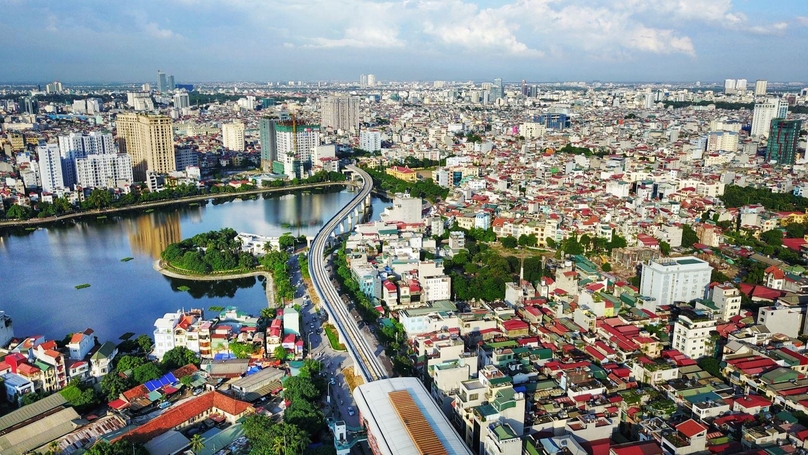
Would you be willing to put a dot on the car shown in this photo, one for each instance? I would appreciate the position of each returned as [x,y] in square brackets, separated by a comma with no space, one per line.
[333,381]
[351,411]
[164,405]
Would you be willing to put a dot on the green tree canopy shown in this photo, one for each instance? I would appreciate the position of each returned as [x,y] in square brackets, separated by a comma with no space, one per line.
[179,357]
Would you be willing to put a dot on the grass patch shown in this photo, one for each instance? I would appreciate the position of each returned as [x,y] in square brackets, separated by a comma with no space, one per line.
[126,259]
[217,309]
[82,286]
[333,338]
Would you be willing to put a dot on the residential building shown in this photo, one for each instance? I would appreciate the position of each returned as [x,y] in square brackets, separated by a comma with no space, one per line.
[692,334]
[268,140]
[76,145]
[101,361]
[162,83]
[400,417]
[783,138]
[80,344]
[293,145]
[182,100]
[782,319]
[164,333]
[405,209]
[727,299]
[760,87]
[402,173]
[50,167]
[104,171]
[233,136]
[680,279]
[340,112]
[370,141]
[291,321]
[764,113]
[149,140]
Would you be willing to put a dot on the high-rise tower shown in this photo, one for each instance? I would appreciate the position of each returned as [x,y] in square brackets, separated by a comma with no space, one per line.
[149,140]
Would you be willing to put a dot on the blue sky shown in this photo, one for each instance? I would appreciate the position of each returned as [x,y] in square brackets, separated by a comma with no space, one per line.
[537,40]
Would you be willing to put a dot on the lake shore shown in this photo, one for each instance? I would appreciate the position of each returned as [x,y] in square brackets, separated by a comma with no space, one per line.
[159,266]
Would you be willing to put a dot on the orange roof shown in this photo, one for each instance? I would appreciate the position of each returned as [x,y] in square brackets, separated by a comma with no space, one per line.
[184,412]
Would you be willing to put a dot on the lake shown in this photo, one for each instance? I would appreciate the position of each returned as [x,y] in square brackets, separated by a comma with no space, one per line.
[40,268]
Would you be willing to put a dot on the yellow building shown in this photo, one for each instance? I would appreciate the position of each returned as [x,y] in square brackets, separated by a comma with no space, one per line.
[787,218]
[149,140]
[402,173]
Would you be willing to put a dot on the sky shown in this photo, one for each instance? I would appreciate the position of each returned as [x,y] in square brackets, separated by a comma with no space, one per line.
[330,40]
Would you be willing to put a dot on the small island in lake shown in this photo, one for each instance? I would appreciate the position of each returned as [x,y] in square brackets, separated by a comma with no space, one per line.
[82,286]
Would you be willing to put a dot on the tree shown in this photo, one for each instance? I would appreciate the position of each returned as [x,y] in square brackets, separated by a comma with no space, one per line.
[179,357]
[99,199]
[122,447]
[606,267]
[130,362]
[551,243]
[146,372]
[286,241]
[280,353]
[241,350]
[113,384]
[81,396]
[145,343]
[18,212]
[508,242]
[268,313]
[773,237]
[664,247]
[197,443]
[689,237]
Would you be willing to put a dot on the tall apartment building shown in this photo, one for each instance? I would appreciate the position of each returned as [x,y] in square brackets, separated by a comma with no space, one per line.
[675,279]
[729,86]
[370,141]
[340,112]
[182,100]
[760,87]
[162,83]
[104,171]
[691,334]
[782,143]
[371,80]
[50,167]
[233,136]
[723,141]
[294,149]
[765,112]
[77,145]
[149,140]
[267,138]
[140,101]
[363,80]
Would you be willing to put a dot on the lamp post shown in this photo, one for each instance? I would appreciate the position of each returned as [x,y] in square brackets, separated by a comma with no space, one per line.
[308,339]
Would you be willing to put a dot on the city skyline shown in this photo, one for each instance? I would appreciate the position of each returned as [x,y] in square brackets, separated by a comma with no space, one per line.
[539,40]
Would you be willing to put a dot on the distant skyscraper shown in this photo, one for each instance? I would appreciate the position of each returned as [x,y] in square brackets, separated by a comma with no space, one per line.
[340,112]
[53,87]
[30,105]
[50,167]
[763,114]
[363,80]
[267,138]
[233,136]
[162,84]
[497,90]
[760,87]
[729,86]
[740,85]
[782,145]
[170,82]
[525,89]
[182,100]
[149,140]
[371,80]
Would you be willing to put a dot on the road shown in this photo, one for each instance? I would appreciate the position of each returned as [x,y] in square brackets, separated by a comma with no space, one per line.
[364,357]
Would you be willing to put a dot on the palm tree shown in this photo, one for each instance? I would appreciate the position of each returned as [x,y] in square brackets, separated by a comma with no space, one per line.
[197,443]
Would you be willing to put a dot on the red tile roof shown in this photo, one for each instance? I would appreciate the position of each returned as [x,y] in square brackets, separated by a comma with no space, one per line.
[184,412]
[690,428]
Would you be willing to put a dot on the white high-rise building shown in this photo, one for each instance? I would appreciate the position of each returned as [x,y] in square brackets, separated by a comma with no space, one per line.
[50,167]
[371,80]
[76,145]
[763,114]
[363,80]
[340,112]
[740,85]
[679,279]
[294,150]
[182,100]
[760,87]
[722,141]
[406,209]
[233,136]
[140,101]
[729,86]
[164,334]
[104,171]
[691,334]
[370,141]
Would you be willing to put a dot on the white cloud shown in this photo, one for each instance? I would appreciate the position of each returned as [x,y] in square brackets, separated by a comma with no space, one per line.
[367,37]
